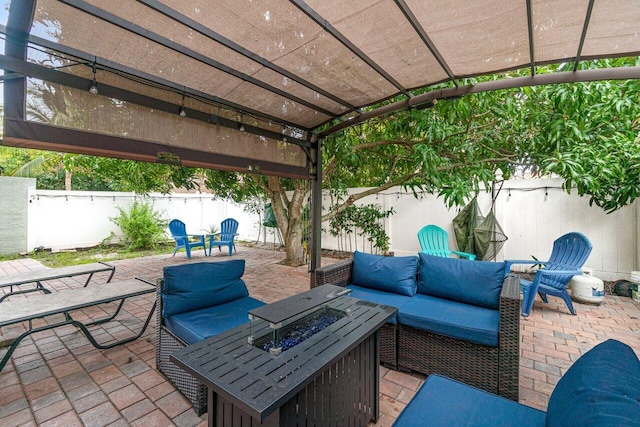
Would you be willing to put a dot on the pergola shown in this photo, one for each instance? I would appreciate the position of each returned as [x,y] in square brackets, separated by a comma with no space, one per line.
[255,86]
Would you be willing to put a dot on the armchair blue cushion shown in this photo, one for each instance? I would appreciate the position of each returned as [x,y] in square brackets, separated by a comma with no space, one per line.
[391,274]
[194,286]
[602,388]
[194,326]
[471,282]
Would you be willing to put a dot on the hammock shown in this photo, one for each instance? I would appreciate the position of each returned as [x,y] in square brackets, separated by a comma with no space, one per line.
[476,234]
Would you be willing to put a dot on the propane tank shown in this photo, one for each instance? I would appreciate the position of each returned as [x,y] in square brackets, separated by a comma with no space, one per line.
[587,288]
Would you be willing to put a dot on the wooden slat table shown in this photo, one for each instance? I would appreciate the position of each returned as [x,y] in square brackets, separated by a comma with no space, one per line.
[332,378]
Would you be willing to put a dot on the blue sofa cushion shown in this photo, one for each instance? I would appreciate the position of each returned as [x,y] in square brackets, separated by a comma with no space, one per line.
[190,287]
[194,326]
[472,282]
[443,402]
[602,388]
[454,319]
[391,274]
[379,297]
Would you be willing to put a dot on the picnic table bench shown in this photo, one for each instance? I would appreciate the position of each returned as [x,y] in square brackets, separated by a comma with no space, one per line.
[39,276]
[68,300]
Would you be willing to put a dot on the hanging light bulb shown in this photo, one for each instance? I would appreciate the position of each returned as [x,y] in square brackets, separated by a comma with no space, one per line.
[241,127]
[182,112]
[94,85]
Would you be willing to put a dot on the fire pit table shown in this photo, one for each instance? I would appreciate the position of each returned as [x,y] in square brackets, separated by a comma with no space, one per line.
[310,359]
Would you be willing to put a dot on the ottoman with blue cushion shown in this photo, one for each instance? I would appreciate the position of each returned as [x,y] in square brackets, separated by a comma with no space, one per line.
[601,389]
[197,301]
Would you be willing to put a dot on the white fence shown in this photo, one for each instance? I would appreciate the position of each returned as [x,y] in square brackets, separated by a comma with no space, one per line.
[532,213]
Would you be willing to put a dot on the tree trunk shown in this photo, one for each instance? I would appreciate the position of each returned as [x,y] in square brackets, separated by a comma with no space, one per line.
[288,214]
[67,180]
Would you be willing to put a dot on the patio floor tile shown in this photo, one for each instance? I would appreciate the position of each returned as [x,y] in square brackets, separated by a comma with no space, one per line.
[58,378]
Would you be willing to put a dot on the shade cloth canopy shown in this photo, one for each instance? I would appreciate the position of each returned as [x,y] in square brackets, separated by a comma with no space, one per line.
[282,71]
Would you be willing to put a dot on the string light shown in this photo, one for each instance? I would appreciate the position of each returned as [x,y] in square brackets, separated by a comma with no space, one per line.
[94,85]
[182,112]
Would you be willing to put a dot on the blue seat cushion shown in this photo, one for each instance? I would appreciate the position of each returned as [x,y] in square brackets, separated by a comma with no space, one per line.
[190,287]
[443,402]
[602,388]
[454,319]
[194,326]
[379,297]
[472,282]
[391,274]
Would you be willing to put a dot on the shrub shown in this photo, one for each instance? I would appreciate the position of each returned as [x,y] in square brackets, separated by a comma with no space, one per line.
[143,227]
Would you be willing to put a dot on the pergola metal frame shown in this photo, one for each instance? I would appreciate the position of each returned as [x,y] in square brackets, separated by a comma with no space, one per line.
[308,138]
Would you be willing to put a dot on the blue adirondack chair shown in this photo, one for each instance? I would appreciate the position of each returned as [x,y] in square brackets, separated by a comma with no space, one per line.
[435,241]
[569,254]
[228,232]
[183,240]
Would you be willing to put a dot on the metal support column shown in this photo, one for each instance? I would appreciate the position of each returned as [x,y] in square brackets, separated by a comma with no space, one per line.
[316,208]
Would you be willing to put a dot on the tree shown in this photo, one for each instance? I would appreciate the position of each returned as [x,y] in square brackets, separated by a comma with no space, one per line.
[586,133]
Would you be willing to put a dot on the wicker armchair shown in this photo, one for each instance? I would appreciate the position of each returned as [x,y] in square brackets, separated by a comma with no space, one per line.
[166,344]
[494,369]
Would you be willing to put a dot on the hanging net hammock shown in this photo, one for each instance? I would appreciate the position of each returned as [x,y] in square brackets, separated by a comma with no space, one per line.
[489,237]
[477,234]
[463,225]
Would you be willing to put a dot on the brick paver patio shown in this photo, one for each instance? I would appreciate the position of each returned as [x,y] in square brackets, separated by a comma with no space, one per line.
[58,378]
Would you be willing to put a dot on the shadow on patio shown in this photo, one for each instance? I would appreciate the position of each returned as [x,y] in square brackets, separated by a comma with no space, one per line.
[57,378]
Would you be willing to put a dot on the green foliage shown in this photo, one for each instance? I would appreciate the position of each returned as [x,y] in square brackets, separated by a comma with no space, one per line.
[367,220]
[585,133]
[142,225]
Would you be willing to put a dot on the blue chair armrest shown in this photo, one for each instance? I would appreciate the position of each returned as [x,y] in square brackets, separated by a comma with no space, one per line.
[464,255]
[511,262]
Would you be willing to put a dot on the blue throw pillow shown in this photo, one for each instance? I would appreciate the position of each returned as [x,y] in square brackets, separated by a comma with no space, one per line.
[391,274]
[472,282]
[602,388]
[194,286]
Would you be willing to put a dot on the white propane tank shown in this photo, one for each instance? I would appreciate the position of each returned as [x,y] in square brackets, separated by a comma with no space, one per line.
[587,288]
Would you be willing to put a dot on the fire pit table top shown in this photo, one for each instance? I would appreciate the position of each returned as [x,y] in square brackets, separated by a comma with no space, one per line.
[258,382]
[290,309]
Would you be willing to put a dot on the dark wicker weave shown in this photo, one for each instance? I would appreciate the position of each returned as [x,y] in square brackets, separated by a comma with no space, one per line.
[495,369]
[340,274]
[167,343]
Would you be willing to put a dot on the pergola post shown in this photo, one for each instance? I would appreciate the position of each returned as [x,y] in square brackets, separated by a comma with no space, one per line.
[316,208]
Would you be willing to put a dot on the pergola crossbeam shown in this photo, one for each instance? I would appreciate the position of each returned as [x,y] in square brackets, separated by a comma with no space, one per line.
[323,23]
[183,50]
[426,39]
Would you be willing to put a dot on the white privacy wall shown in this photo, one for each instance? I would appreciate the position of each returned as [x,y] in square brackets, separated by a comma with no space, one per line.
[76,219]
[533,213]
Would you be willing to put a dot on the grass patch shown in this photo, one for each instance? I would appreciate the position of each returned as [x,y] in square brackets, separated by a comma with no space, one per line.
[103,253]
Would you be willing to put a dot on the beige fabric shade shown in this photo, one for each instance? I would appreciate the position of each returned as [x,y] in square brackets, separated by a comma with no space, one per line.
[292,69]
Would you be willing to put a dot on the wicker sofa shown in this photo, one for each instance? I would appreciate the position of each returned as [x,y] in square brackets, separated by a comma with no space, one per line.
[456,317]
[196,301]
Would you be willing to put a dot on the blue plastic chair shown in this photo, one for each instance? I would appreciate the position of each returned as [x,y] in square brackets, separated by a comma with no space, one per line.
[228,232]
[435,241]
[183,240]
[569,254]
